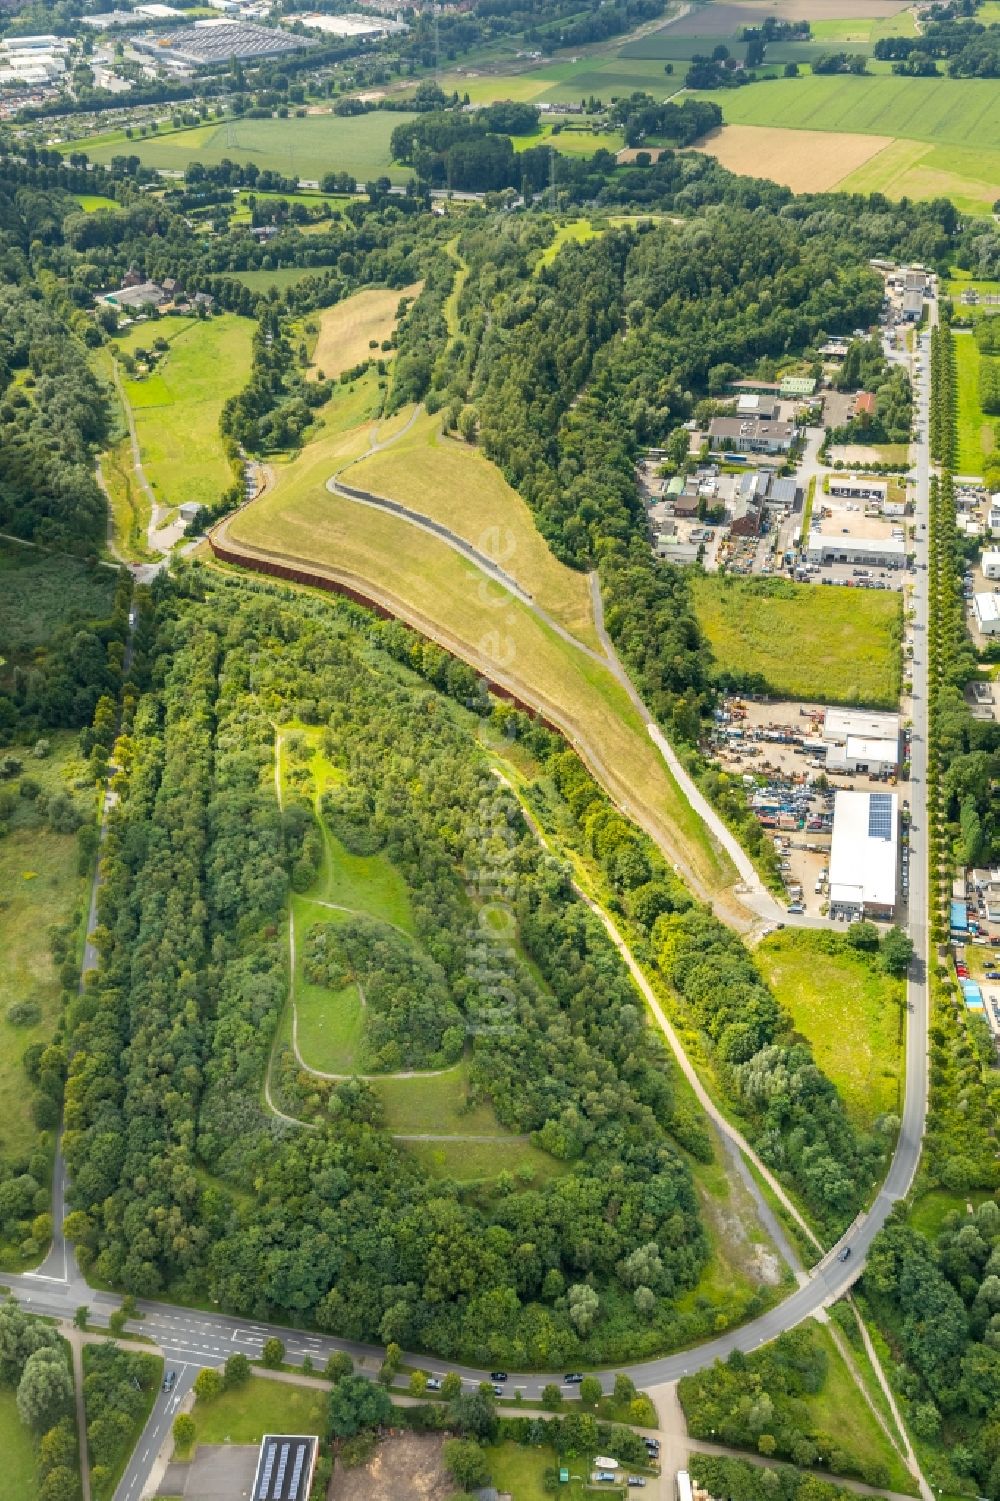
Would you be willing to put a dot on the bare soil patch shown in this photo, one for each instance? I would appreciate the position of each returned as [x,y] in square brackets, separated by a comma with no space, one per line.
[408,1464]
[803,160]
[347,329]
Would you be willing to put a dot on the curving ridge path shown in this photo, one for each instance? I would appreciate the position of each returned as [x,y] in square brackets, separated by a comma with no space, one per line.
[191,1338]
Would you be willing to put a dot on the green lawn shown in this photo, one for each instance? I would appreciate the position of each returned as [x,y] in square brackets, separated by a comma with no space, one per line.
[483,1161]
[521,1470]
[931,1209]
[836,645]
[40,889]
[306,147]
[576,230]
[849,1013]
[244,1414]
[91,202]
[20,1475]
[976,431]
[331,1023]
[177,407]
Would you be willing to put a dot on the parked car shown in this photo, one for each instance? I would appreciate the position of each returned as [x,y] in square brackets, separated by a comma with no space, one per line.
[433,1383]
[635,1480]
[992,974]
[845,1254]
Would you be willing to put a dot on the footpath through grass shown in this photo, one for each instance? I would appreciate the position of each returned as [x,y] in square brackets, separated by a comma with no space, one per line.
[850,1013]
[178,404]
[833,645]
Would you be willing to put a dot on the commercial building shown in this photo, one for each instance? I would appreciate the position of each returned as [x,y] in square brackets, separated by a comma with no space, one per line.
[991,564]
[986,608]
[285,1467]
[764,407]
[219,42]
[849,487]
[864,854]
[750,435]
[875,758]
[913,306]
[886,552]
[839,725]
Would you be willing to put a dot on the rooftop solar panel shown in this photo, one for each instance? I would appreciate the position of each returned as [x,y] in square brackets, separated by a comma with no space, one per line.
[880,816]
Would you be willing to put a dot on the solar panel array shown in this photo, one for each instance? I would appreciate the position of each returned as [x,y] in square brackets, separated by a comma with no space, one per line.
[880,816]
[271,1484]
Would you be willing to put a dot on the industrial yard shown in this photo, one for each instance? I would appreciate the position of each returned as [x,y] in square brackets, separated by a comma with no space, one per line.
[830,786]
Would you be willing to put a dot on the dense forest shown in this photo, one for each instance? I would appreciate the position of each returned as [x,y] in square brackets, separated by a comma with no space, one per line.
[169,1047]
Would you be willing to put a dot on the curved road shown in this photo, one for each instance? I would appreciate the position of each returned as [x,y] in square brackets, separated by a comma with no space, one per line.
[190,1338]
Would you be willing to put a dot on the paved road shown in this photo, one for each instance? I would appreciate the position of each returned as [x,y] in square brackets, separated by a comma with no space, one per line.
[191,1338]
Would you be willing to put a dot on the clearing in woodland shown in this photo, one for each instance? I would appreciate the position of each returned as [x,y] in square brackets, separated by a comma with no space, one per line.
[347,329]
[178,403]
[805,161]
[426,583]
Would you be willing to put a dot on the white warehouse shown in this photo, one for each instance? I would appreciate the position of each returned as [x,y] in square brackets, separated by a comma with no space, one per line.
[991,563]
[987,612]
[864,854]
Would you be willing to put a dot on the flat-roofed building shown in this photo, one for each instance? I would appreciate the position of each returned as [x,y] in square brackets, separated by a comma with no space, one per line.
[991,563]
[864,854]
[840,724]
[888,552]
[986,608]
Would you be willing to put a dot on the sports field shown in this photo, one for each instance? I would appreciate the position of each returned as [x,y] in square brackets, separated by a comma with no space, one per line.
[849,1013]
[306,147]
[805,161]
[833,645]
[177,406]
[347,329]
[976,431]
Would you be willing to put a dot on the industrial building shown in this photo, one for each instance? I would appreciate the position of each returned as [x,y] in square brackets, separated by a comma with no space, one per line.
[886,552]
[991,564]
[864,855]
[986,608]
[861,742]
[285,1467]
[750,435]
[217,43]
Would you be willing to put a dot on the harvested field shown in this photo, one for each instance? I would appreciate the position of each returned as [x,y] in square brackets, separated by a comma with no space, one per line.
[347,329]
[805,161]
[726,20]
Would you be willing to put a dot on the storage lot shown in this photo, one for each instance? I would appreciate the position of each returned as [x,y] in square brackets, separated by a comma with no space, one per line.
[779,746]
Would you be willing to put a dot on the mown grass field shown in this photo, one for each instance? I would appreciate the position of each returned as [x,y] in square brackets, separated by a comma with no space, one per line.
[939,110]
[281,277]
[91,202]
[450,481]
[244,1414]
[40,888]
[976,432]
[20,1474]
[347,329]
[306,147]
[178,405]
[835,645]
[431,585]
[849,1013]
[970,177]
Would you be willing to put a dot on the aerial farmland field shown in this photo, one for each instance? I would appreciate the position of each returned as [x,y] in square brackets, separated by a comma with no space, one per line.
[306,147]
